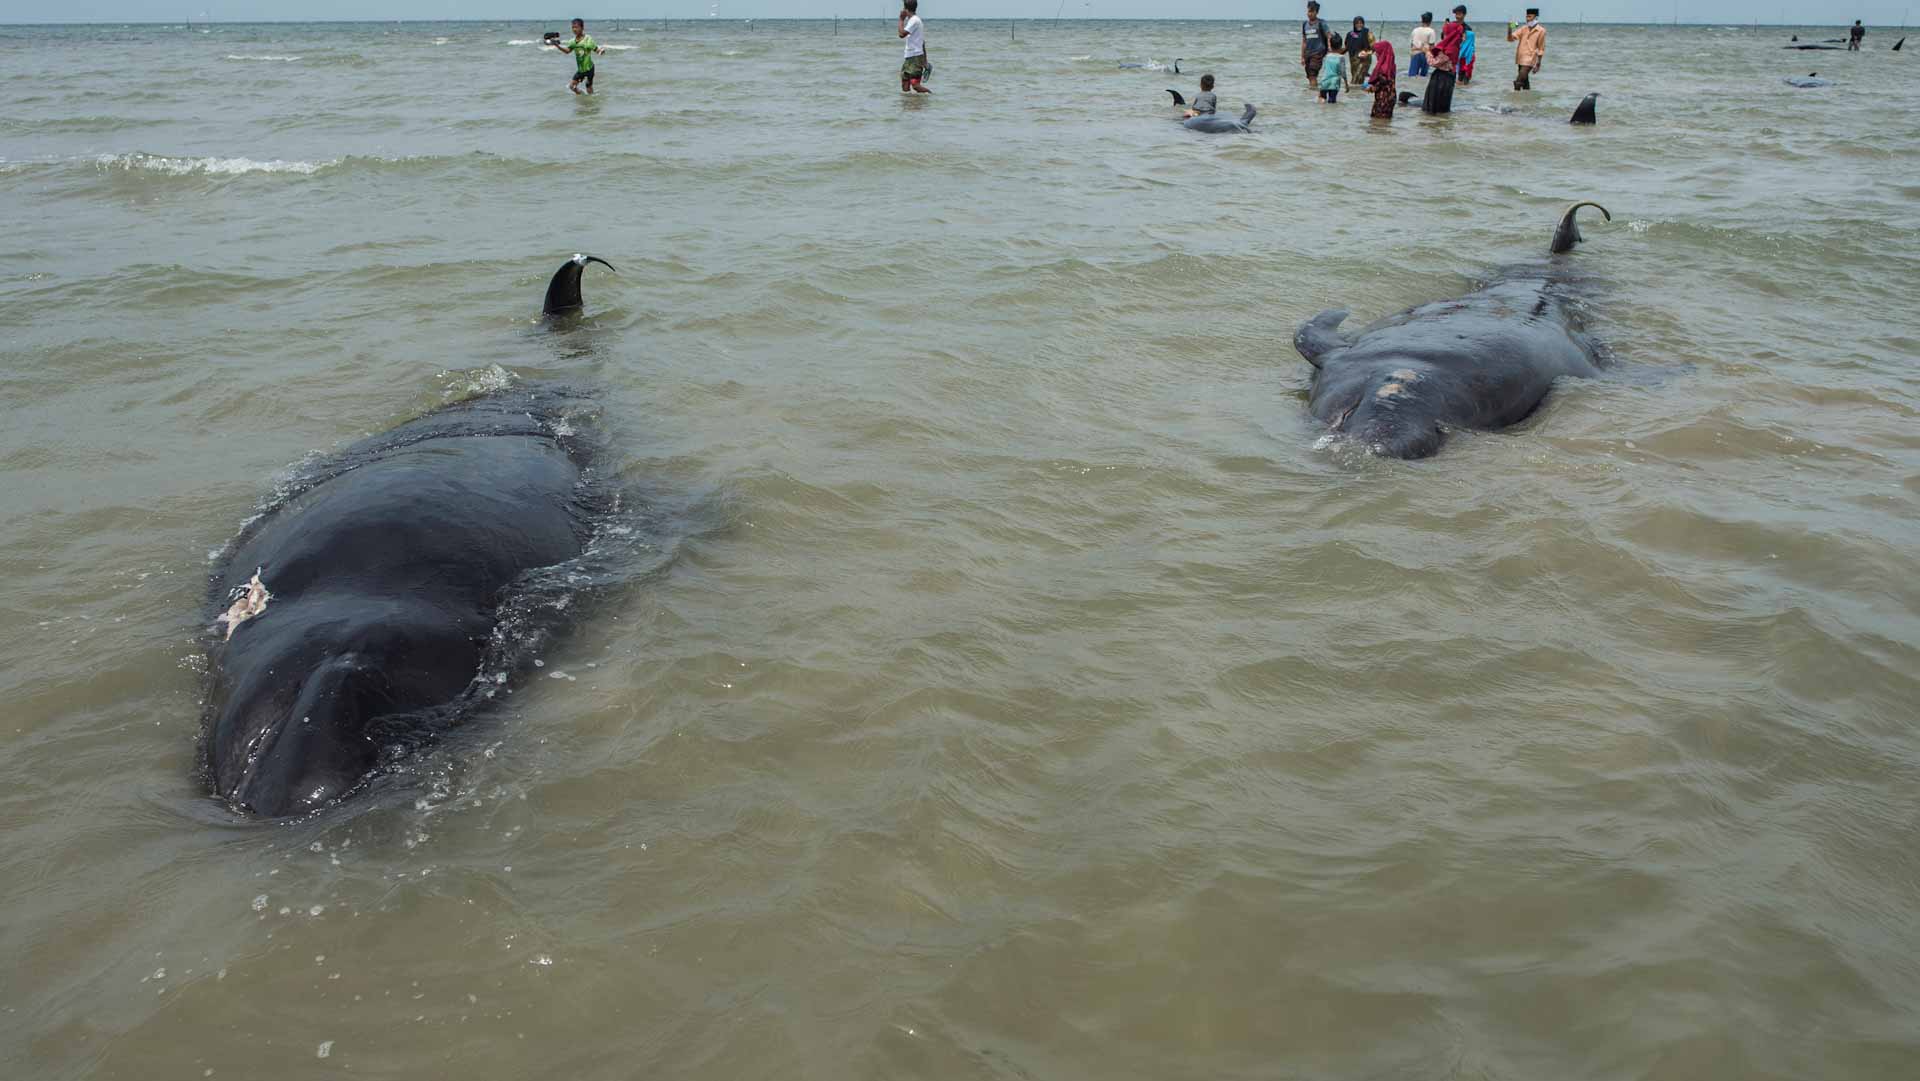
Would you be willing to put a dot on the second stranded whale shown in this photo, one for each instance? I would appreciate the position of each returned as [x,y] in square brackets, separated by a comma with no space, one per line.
[1485,360]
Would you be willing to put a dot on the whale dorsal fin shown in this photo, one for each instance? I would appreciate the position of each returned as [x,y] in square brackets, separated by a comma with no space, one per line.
[1567,233]
[1177,99]
[1321,335]
[563,292]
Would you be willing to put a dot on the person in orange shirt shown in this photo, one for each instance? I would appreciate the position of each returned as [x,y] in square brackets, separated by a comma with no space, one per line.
[1531,48]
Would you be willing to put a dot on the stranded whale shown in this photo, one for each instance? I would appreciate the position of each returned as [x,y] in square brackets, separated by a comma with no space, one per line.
[1219,122]
[368,609]
[1483,361]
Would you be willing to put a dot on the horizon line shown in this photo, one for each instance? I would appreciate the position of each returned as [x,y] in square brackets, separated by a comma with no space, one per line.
[996,20]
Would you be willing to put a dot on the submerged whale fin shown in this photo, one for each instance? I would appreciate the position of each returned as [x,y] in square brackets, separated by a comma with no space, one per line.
[1583,113]
[1177,99]
[1321,335]
[563,292]
[1567,233]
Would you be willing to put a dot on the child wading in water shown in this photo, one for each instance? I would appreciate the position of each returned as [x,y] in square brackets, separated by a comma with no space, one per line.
[1330,74]
[582,47]
[1206,101]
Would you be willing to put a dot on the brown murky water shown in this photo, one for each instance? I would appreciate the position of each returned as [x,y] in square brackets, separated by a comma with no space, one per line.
[1021,691]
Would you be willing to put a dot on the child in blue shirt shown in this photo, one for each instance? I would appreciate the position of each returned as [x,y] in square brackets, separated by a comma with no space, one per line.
[1330,73]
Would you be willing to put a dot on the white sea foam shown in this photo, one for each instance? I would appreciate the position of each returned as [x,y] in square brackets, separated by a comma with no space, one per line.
[521,41]
[619,48]
[252,56]
[206,166]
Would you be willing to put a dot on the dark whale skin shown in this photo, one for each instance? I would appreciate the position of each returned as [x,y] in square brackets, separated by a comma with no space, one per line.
[386,574]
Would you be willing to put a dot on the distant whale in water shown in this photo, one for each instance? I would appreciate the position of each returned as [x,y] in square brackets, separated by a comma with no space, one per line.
[1217,123]
[366,611]
[1152,65]
[1808,81]
[1485,361]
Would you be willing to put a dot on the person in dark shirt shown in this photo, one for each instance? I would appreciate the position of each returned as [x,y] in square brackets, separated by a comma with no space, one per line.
[1313,44]
[1359,52]
[1854,35]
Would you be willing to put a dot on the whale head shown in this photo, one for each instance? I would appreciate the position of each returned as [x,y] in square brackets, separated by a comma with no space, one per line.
[1389,414]
[308,697]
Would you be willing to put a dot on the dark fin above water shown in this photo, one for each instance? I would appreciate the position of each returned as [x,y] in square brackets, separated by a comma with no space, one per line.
[1247,117]
[563,292]
[1177,99]
[1583,113]
[1897,44]
[1321,335]
[1407,96]
[1567,233]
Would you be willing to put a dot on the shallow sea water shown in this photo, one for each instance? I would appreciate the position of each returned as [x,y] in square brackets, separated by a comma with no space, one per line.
[1022,690]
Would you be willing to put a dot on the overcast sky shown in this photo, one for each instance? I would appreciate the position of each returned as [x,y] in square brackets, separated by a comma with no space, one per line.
[1876,13]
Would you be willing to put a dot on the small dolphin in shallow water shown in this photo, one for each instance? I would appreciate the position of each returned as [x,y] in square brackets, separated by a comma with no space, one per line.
[1808,81]
[1216,123]
[563,292]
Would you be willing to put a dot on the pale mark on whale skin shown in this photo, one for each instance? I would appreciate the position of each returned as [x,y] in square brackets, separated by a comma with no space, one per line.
[249,601]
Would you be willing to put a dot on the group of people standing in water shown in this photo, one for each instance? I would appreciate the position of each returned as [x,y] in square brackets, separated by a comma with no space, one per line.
[1445,56]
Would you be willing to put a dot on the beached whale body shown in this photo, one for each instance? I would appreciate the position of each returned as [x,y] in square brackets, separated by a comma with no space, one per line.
[1485,361]
[352,620]
[1219,122]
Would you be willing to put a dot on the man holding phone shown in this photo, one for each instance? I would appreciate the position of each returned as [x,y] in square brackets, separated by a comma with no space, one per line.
[914,68]
[1530,48]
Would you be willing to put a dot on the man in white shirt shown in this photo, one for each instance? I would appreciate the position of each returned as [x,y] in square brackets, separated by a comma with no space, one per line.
[915,65]
[1424,35]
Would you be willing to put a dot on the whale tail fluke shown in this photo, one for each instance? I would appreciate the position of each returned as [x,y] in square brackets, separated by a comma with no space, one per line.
[1321,335]
[563,292]
[1177,99]
[1567,233]
[1583,113]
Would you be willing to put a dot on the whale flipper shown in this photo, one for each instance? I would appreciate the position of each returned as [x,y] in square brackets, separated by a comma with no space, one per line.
[1583,113]
[1567,233]
[1177,99]
[1321,335]
[563,292]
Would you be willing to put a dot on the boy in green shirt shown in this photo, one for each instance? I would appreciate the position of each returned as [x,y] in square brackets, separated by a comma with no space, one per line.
[582,47]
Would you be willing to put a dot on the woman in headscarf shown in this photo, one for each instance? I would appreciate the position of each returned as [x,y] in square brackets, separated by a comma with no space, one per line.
[1383,79]
[1444,57]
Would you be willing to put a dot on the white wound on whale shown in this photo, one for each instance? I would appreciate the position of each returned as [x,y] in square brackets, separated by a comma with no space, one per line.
[248,601]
